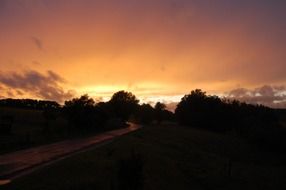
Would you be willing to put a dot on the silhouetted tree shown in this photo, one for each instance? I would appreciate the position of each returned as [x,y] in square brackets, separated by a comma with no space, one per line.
[80,111]
[210,112]
[123,104]
[191,109]
[145,114]
[160,106]
[159,111]
[103,112]
[168,116]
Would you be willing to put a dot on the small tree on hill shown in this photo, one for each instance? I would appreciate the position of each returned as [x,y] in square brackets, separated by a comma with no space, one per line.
[79,111]
[124,104]
[159,111]
[145,114]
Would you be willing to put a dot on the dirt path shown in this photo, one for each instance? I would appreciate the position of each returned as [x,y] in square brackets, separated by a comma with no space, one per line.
[16,163]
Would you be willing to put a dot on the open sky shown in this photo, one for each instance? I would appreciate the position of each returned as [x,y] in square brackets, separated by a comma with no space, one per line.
[157,49]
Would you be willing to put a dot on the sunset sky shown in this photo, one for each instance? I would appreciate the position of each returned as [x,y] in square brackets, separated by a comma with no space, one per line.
[157,49]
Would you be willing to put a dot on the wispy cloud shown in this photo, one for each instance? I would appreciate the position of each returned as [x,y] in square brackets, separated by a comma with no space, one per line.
[38,42]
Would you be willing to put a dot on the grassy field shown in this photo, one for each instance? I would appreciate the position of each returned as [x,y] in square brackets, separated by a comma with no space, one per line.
[173,157]
[30,129]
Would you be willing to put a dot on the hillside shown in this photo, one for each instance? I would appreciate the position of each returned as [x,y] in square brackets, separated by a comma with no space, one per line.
[173,157]
[29,128]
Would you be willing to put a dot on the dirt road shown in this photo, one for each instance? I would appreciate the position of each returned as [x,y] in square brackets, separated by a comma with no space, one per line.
[15,164]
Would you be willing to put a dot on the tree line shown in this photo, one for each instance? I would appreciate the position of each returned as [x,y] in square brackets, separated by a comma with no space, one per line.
[257,123]
[84,112]
[214,113]
[29,104]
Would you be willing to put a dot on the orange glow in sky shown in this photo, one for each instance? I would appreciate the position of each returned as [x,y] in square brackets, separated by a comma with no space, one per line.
[159,50]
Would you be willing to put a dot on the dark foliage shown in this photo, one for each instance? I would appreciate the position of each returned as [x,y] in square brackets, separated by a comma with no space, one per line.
[211,112]
[123,104]
[257,123]
[29,104]
[168,116]
[84,113]
[80,112]
[159,111]
[145,114]
[161,114]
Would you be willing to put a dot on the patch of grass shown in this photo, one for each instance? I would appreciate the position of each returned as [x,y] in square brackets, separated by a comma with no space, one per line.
[173,157]
[29,129]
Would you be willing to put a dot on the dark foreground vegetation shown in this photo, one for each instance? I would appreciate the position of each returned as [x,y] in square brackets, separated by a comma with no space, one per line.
[258,124]
[164,157]
[25,123]
[216,143]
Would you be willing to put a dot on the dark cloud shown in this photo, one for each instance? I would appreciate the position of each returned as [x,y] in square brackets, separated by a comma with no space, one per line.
[19,92]
[272,96]
[10,93]
[38,42]
[36,62]
[46,86]
[55,77]
[2,4]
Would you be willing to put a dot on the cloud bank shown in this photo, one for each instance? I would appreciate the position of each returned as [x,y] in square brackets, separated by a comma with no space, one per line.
[162,46]
[272,96]
[38,85]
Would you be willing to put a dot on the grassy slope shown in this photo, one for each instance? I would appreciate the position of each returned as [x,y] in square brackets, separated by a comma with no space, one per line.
[174,158]
[28,129]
